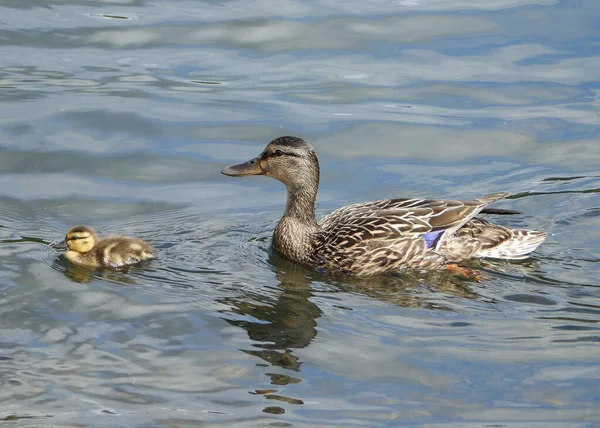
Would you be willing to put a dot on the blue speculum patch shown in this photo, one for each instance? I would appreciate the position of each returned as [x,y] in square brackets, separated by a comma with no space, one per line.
[431,238]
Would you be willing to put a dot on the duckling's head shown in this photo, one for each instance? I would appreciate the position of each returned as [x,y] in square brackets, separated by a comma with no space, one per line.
[81,239]
[290,160]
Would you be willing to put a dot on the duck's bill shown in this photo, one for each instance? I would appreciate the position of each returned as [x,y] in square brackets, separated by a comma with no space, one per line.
[252,167]
[60,246]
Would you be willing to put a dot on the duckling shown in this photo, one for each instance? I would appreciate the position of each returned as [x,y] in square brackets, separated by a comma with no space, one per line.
[86,249]
[382,236]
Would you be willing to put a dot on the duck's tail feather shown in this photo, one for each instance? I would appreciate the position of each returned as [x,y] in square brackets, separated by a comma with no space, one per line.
[499,211]
[517,246]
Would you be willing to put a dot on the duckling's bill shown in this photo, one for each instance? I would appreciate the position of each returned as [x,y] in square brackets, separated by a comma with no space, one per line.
[62,245]
[252,167]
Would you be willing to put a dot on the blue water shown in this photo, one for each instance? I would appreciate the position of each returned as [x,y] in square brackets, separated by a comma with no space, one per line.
[120,114]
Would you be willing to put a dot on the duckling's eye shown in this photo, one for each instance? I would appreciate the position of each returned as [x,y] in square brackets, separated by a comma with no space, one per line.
[75,238]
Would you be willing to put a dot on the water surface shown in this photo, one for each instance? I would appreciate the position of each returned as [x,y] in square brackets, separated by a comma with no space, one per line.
[121,113]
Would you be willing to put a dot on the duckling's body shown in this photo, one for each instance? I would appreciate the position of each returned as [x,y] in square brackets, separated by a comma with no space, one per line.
[382,236]
[86,249]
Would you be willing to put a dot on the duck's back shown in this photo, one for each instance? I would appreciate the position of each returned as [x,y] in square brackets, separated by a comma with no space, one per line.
[387,235]
[117,251]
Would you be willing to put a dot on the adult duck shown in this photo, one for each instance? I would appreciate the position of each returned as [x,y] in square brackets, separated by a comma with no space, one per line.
[382,236]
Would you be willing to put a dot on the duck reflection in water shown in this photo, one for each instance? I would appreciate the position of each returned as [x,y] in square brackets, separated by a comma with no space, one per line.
[279,324]
[285,322]
[84,275]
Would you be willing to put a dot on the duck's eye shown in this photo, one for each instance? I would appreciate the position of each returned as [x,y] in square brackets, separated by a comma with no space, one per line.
[75,238]
[278,153]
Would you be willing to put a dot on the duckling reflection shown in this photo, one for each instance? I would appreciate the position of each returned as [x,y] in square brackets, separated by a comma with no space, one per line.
[86,249]
[85,275]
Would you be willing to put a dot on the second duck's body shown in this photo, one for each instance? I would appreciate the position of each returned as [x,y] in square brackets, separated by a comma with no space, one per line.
[382,236]
[86,249]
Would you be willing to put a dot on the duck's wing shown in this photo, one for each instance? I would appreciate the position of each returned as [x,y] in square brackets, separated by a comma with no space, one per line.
[115,251]
[391,219]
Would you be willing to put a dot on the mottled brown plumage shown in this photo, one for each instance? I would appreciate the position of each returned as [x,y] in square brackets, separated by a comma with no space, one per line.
[382,236]
[85,249]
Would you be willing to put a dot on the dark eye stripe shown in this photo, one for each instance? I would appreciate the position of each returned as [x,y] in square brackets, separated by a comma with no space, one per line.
[278,153]
[75,238]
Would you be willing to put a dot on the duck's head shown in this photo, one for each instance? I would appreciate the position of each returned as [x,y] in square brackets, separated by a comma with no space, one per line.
[290,160]
[81,239]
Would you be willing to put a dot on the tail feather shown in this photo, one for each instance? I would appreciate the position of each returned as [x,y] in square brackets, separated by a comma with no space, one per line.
[502,242]
[492,197]
[499,211]
[518,246]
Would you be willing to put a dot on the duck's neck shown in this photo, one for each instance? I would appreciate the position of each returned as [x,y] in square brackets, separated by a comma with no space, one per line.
[294,235]
[301,202]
